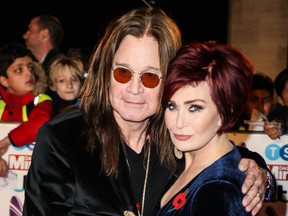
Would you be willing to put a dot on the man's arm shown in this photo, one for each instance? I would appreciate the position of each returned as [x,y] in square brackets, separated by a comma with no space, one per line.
[259,181]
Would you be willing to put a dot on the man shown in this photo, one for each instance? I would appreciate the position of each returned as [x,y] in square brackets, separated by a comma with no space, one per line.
[43,37]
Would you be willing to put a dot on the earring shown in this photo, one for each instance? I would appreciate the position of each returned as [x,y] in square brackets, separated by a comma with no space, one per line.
[178,154]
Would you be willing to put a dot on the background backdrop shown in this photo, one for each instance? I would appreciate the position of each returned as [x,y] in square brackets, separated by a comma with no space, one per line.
[84,21]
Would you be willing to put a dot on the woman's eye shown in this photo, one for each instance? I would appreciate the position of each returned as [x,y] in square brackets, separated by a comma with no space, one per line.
[195,108]
[171,106]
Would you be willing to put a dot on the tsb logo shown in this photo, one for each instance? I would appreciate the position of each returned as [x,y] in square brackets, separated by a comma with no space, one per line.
[280,170]
[274,152]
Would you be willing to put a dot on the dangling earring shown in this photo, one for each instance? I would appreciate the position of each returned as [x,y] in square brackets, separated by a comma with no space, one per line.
[178,154]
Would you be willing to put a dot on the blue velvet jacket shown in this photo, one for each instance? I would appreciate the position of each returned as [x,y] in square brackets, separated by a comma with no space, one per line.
[215,191]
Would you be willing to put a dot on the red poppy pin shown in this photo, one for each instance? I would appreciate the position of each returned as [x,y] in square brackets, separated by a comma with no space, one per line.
[179,201]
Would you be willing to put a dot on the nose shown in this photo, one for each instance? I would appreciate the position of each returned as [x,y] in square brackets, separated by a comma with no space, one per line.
[69,84]
[180,119]
[29,68]
[28,71]
[25,35]
[135,85]
[260,105]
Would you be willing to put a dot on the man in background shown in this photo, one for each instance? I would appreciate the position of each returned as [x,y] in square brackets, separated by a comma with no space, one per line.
[43,37]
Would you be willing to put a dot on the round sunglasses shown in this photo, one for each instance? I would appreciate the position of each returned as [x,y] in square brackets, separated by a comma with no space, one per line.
[148,79]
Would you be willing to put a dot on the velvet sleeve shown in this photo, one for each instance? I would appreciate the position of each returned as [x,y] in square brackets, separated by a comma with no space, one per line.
[219,198]
[271,192]
[49,184]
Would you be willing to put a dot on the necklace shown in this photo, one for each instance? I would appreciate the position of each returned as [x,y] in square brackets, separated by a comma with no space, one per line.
[145,181]
[129,213]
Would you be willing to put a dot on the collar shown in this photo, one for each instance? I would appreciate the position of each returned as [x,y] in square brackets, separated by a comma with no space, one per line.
[43,58]
[12,98]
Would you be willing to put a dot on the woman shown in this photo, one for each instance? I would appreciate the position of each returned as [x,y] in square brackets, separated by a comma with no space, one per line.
[94,161]
[206,86]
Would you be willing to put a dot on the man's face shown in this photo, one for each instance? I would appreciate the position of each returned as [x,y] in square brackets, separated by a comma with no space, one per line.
[33,35]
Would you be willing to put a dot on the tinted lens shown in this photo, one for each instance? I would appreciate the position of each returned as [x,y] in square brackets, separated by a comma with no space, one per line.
[122,75]
[150,80]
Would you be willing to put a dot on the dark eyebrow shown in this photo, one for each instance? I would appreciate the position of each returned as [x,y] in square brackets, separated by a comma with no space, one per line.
[195,100]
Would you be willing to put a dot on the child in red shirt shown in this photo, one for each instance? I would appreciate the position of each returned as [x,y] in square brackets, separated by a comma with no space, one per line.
[22,82]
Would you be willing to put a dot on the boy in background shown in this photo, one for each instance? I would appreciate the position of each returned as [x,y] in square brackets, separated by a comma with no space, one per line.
[66,77]
[279,114]
[259,103]
[22,83]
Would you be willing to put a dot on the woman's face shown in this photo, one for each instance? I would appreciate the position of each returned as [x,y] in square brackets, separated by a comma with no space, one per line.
[132,101]
[192,118]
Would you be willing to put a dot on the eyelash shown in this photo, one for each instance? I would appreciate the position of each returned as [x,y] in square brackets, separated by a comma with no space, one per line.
[171,106]
[193,108]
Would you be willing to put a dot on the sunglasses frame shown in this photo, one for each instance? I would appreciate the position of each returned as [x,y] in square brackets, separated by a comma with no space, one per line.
[141,76]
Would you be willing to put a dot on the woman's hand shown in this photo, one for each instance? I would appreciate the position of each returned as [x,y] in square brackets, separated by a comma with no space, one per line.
[254,185]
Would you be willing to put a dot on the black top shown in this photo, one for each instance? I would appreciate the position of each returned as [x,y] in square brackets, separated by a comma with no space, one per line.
[64,178]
